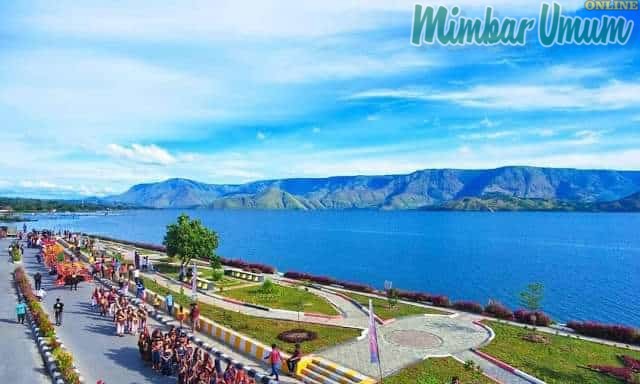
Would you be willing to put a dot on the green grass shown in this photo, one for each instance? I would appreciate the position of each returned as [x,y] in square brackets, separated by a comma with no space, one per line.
[557,362]
[437,371]
[261,329]
[283,297]
[381,307]
[224,282]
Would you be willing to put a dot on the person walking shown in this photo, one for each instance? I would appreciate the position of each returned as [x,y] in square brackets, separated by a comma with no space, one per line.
[37,279]
[275,359]
[74,281]
[21,311]
[57,310]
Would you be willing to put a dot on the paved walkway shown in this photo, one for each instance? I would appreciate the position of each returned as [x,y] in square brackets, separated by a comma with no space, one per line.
[20,361]
[409,340]
[98,352]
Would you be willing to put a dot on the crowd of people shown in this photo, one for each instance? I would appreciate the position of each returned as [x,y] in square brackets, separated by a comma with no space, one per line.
[170,353]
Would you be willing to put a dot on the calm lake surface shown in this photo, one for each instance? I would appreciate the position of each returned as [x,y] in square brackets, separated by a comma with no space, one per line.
[589,263]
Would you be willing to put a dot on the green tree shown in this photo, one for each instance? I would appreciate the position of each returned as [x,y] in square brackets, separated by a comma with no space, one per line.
[531,297]
[187,239]
[392,297]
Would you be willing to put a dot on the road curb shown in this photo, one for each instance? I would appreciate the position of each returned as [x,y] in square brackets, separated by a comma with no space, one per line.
[44,347]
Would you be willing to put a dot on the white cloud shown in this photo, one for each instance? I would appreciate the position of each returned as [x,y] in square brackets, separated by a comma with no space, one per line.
[316,130]
[206,20]
[545,132]
[488,135]
[261,136]
[610,96]
[572,71]
[487,123]
[145,154]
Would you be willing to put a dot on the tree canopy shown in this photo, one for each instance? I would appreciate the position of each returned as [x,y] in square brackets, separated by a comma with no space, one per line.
[531,297]
[187,239]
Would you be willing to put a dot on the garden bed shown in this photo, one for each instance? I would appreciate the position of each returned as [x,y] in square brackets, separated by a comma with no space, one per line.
[559,361]
[381,307]
[283,297]
[261,329]
[437,371]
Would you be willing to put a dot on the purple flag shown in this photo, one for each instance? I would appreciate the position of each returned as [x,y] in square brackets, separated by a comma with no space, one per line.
[373,336]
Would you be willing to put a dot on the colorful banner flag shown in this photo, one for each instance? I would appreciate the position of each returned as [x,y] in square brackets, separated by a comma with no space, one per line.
[373,336]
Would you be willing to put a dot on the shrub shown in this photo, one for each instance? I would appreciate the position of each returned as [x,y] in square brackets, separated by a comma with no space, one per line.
[329,281]
[468,306]
[441,301]
[238,263]
[268,287]
[528,317]
[65,364]
[414,296]
[498,310]
[612,332]
[216,275]
[38,315]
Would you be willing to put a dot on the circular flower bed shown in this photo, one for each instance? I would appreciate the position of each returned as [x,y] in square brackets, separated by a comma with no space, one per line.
[297,336]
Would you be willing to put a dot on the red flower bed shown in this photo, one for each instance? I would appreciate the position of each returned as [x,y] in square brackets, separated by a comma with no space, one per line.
[441,301]
[534,318]
[328,281]
[414,296]
[613,332]
[498,310]
[468,306]
[238,263]
[623,373]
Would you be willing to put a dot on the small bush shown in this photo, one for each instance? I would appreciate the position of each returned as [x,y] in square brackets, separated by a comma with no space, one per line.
[468,306]
[533,318]
[216,275]
[612,332]
[441,301]
[498,310]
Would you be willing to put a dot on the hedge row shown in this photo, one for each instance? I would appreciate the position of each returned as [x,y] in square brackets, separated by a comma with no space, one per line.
[238,263]
[329,281]
[532,317]
[64,359]
[149,246]
[612,332]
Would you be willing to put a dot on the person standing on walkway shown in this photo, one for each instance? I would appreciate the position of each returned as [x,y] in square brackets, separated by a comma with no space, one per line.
[168,300]
[21,311]
[194,314]
[37,279]
[57,310]
[275,359]
[74,281]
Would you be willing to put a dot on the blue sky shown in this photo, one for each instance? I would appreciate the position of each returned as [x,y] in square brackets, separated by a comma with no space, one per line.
[97,96]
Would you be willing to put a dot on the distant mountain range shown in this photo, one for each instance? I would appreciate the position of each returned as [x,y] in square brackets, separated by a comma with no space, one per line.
[511,188]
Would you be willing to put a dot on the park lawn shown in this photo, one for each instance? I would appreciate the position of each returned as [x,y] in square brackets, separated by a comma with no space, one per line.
[205,273]
[559,361]
[381,307]
[283,297]
[261,329]
[437,371]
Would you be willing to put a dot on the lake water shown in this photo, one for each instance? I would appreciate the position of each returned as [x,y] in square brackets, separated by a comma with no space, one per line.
[589,263]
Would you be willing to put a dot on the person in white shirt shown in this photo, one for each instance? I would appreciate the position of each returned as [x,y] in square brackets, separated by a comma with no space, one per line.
[40,294]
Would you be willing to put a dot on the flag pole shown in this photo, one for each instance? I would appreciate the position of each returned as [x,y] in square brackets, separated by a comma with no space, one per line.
[373,341]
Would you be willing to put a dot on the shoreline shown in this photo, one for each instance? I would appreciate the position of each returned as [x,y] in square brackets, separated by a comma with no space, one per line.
[355,287]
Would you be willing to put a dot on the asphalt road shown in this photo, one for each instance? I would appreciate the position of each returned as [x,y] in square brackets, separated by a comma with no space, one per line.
[20,361]
[98,353]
